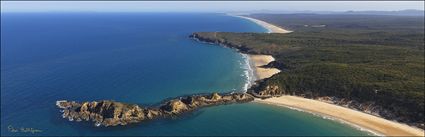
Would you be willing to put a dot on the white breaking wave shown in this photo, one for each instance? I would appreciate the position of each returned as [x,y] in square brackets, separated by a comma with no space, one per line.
[248,72]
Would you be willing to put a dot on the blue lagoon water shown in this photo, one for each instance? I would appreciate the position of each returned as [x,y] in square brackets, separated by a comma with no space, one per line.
[139,58]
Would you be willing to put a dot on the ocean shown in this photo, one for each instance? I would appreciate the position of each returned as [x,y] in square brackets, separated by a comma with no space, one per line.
[140,58]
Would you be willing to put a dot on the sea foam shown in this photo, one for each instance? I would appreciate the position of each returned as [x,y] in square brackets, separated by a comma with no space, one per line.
[250,78]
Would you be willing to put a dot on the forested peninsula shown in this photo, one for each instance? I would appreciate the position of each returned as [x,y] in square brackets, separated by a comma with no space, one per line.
[365,62]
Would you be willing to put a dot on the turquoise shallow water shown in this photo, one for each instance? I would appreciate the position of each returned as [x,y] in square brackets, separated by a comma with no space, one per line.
[138,58]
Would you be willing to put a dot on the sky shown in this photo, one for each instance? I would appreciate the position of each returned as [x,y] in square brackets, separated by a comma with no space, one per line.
[204,6]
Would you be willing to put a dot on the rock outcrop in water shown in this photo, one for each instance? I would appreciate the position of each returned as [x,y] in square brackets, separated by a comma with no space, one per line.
[112,113]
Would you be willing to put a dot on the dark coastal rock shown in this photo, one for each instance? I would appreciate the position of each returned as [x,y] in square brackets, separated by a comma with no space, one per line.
[222,42]
[105,112]
[175,106]
[112,113]
[189,103]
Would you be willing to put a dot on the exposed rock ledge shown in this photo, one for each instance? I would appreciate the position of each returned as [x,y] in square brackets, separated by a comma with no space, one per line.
[112,113]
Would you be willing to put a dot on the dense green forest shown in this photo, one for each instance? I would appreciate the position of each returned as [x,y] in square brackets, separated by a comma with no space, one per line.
[366,58]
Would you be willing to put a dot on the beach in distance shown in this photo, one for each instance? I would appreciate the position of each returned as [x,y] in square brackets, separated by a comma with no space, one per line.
[212,69]
[270,27]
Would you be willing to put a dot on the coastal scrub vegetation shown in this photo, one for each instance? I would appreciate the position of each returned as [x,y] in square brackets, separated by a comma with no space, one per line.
[366,58]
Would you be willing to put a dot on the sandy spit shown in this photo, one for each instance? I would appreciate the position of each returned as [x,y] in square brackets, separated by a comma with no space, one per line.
[272,28]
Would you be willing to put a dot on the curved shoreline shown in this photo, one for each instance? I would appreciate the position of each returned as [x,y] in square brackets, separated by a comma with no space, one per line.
[380,126]
[324,116]
[377,125]
[270,27]
[261,60]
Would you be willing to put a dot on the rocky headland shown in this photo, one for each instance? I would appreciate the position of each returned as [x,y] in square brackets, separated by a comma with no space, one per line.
[112,113]
[222,42]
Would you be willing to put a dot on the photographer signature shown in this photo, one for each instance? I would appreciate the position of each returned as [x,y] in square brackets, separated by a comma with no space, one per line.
[23,130]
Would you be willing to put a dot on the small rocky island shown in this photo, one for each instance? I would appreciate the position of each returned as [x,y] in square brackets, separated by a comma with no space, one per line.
[112,113]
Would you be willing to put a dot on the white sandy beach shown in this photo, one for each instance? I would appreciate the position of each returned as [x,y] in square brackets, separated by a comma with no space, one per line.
[260,60]
[370,122]
[272,28]
[364,120]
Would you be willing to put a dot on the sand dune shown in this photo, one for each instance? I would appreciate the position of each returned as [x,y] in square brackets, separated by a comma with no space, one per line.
[260,60]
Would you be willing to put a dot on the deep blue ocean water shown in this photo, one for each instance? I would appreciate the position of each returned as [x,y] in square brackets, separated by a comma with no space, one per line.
[138,58]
